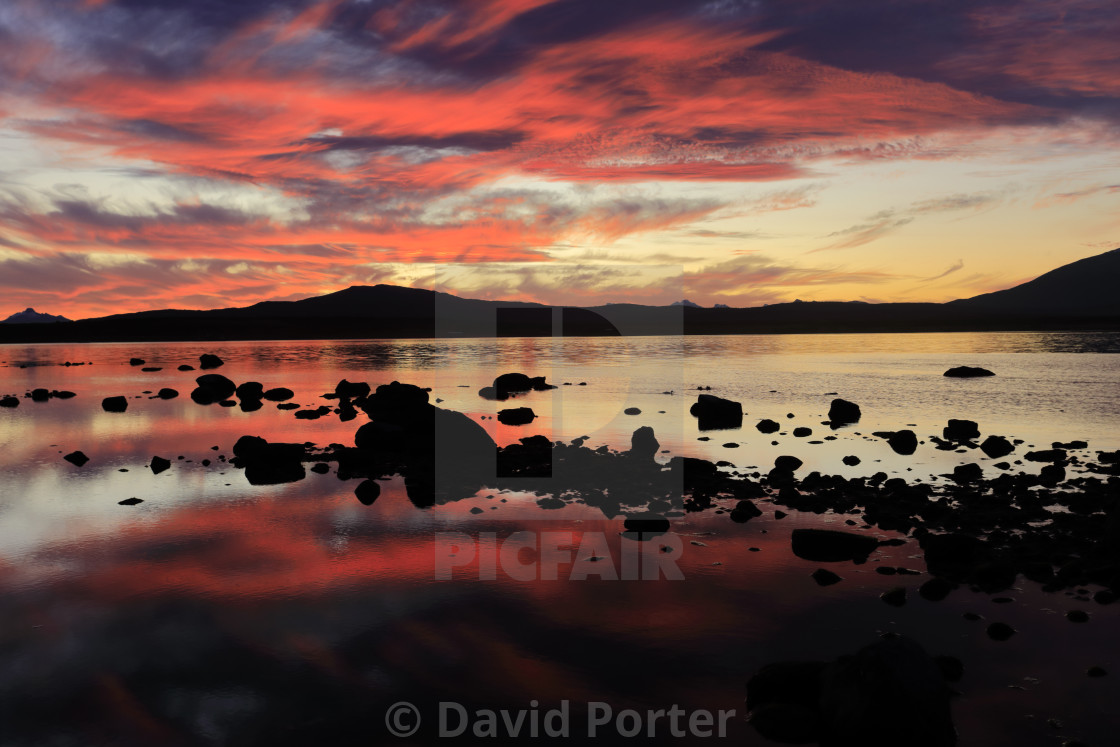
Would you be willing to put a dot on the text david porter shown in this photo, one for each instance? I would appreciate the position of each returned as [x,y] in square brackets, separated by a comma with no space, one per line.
[455,721]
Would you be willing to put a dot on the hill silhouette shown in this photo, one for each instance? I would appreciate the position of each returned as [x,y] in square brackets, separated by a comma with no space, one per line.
[1076,296]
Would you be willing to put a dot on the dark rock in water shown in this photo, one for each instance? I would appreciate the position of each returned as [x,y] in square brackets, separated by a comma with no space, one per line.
[397,403]
[895,597]
[964,372]
[1047,455]
[250,390]
[287,406]
[825,577]
[167,393]
[76,458]
[151,369]
[320,468]
[269,463]
[647,523]
[953,556]
[279,394]
[995,447]
[516,416]
[130,501]
[63,394]
[902,442]
[114,404]
[250,405]
[159,464]
[842,411]
[802,432]
[1077,616]
[999,631]
[309,414]
[517,383]
[717,413]
[530,457]
[643,443]
[209,360]
[185,367]
[367,492]
[768,426]
[888,694]
[744,511]
[212,388]
[789,463]
[136,361]
[935,589]
[9,401]
[965,473]
[1052,474]
[632,411]
[961,430]
[352,389]
[851,460]
[40,395]
[827,545]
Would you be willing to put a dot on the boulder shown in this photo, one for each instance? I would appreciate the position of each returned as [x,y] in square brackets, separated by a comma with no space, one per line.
[964,372]
[76,458]
[902,442]
[825,577]
[9,401]
[367,492]
[159,464]
[269,463]
[716,413]
[646,523]
[802,432]
[768,426]
[167,393]
[351,389]
[136,361]
[789,463]
[40,395]
[516,416]
[643,444]
[114,404]
[1047,455]
[632,411]
[851,460]
[249,390]
[995,447]
[842,411]
[961,430]
[278,394]
[744,511]
[207,361]
[966,473]
[828,545]
[518,383]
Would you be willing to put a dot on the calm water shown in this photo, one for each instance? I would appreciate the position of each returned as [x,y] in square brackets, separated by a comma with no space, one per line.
[216,612]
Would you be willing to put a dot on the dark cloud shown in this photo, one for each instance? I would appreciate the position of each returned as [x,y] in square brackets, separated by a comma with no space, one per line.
[477,141]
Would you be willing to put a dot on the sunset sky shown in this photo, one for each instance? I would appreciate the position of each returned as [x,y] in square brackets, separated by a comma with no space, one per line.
[211,153]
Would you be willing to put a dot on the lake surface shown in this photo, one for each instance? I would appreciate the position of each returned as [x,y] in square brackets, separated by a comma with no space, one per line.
[217,612]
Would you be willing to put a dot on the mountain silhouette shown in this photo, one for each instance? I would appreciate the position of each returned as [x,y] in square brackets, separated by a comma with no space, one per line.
[31,316]
[1076,296]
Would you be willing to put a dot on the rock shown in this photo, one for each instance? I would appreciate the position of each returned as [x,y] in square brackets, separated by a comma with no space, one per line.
[287,406]
[167,393]
[212,388]
[63,394]
[151,369]
[9,401]
[209,360]
[159,464]
[802,432]
[827,545]
[716,413]
[632,411]
[995,447]
[185,367]
[842,411]
[999,631]
[744,511]
[825,577]
[250,390]
[136,361]
[130,501]
[961,430]
[320,468]
[787,463]
[367,492]
[351,389]
[643,443]
[269,463]
[278,394]
[768,426]
[902,442]
[1052,474]
[1077,616]
[963,372]
[966,473]
[516,416]
[851,460]
[40,395]
[114,404]
[517,383]
[76,458]
[646,523]
[1047,455]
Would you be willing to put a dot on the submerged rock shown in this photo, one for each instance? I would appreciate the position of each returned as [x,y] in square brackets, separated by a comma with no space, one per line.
[963,372]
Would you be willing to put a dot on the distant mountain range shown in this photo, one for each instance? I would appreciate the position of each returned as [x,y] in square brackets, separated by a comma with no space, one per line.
[1080,295]
[31,316]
